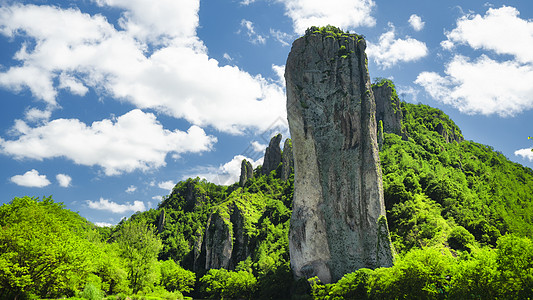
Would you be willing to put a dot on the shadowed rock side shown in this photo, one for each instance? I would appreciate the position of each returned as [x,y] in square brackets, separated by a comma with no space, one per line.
[247,172]
[337,223]
[388,109]
[287,160]
[272,155]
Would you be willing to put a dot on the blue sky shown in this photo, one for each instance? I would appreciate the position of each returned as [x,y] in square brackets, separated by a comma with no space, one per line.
[106,104]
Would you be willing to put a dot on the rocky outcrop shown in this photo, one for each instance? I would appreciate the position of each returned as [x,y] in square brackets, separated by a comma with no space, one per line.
[338,221]
[227,241]
[218,241]
[272,155]
[161,221]
[388,109]
[287,160]
[247,172]
[449,136]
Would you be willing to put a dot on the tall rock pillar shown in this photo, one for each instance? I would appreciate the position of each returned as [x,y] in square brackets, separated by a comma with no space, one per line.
[338,222]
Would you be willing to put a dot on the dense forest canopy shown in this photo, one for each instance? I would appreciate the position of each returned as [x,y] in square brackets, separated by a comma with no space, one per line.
[460,216]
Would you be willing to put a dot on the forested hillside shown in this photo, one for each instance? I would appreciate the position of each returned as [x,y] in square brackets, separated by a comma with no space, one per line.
[460,216]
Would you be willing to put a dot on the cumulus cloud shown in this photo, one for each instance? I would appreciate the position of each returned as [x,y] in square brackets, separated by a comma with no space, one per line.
[483,86]
[254,37]
[391,50]
[525,153]
[64,180]
[31,179]
[500,30]
[225,174]
[416,22]
[166,185]
[104,204]
[258,147]
[37,115]
[342,13]
[154,60]
[487,84]
[135,140]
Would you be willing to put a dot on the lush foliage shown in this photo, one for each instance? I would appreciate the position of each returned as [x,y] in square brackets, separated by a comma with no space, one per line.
[460,216]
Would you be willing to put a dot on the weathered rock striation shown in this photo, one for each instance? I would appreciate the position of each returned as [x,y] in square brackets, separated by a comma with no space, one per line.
[287,160]
[247,172]
[272,155]
[388,109]
[338,221]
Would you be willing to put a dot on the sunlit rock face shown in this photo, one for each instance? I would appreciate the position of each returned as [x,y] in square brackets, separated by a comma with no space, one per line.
[338,221]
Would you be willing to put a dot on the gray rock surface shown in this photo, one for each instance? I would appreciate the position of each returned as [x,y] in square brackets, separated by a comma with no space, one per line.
[247,172]
[161,221]
[272,155]
[388,109]
[338,221]
[226,240]
[218,242]
[287,160]
[448,136]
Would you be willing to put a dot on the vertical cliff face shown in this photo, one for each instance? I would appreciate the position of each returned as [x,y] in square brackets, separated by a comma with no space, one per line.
[388,109]
[338,222]
[287,160]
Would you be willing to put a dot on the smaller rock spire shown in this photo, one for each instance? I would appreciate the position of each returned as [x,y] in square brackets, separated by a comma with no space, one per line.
[272,155]
[247,172]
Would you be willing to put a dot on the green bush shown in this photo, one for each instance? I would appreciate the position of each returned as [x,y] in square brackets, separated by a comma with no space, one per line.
[92,292]
[460,238]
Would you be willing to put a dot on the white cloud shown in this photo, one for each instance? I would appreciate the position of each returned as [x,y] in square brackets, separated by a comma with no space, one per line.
[284,38]
[104,204]
[64,180]
[225,174]
[280,73]
[31,179]
[487,85]
[341,13]
[157,197]
[501,30]
[247,2]
[482,86]
[391,51]
[160,23]
[176,77]
[135,140]
[103,224]
[258,147]
[166,185]
[37,115]
[131,189]
[408,93]
[71,83]
[253,36]
[227,57]
[416,22]
[525,153]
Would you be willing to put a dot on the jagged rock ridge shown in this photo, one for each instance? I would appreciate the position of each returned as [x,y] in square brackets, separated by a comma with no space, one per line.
[338,221]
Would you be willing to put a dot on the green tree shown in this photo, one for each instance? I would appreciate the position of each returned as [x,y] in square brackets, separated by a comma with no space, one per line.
[44,249]
[174,277]
[139,247]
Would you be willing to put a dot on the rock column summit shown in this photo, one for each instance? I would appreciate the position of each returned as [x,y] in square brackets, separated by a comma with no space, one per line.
[338,222]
